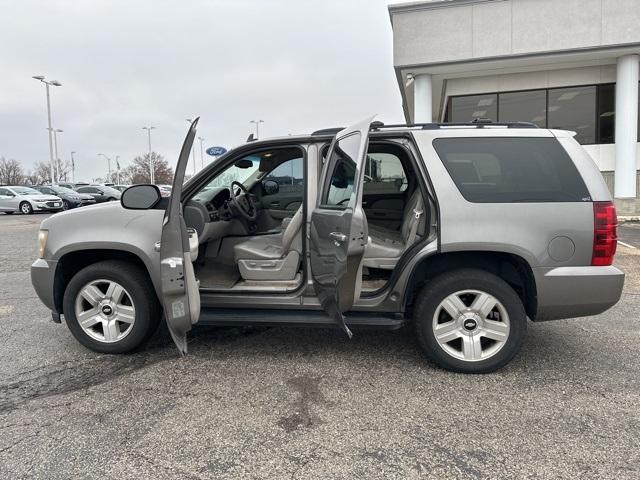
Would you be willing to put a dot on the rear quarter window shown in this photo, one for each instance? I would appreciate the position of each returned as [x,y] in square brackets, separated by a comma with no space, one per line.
[511,170]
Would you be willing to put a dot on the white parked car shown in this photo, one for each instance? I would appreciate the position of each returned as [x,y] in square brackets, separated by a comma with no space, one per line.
[27,200]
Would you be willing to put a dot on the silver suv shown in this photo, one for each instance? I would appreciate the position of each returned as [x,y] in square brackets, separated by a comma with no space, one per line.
[462,232]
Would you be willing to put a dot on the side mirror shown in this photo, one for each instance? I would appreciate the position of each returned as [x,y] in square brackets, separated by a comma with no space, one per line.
[140,197]
[270,187]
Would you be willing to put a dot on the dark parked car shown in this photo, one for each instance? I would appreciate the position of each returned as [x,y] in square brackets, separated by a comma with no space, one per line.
[70,198]
[101,193]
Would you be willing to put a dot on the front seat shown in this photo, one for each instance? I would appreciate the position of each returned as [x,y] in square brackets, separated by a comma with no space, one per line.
[272,257]
[385,246]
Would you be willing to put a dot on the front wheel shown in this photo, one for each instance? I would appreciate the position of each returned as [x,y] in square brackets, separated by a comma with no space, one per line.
[470,321]
[111,307]
[65,205]
[26,208]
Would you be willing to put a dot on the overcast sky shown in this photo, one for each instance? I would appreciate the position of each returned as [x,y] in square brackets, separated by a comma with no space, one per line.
[299,65]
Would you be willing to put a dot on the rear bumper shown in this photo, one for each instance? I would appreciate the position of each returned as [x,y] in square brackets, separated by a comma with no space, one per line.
[568,292]
[42,278]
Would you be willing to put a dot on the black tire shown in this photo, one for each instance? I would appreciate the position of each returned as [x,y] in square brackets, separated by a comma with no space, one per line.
[65,205]
[446,284]
[26,208]
[137,283]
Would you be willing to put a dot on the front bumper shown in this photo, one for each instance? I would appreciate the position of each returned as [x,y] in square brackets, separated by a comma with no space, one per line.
[48,207]
[568,292]
[42,278]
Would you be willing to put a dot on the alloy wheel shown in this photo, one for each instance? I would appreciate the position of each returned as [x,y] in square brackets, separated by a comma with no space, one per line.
[471,325]
[105,311]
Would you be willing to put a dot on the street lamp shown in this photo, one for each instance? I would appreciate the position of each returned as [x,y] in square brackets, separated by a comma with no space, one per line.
[55,146]
[257,122]
[73,169]
[55,83]
[117,170]
[193,152]
[201,152]
[151,173]
[108,166]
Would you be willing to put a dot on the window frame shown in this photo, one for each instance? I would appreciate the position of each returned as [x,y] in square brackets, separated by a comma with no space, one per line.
[448,107]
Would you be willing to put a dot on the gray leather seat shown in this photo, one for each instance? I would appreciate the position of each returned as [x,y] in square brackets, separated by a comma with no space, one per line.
[385,247]
[272,257]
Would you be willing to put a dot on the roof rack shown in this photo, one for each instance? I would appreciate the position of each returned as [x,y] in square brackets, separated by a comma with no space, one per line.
[475,124]
[327,131]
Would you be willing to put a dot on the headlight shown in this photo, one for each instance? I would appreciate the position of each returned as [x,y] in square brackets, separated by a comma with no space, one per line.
[43,235]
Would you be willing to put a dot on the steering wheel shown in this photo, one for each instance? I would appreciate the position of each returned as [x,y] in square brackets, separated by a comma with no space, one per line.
[243,202]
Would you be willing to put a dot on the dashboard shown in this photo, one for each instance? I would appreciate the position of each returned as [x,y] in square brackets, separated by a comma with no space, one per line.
[209,214]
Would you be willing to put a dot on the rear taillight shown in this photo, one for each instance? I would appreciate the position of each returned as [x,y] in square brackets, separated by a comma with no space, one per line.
[605,235]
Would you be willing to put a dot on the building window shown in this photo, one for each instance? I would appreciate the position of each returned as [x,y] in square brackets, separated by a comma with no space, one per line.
[468,108]
[588,110]
[530,106]
[607,113]
[574,109]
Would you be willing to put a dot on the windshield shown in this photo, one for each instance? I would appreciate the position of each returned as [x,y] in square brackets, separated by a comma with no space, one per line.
[244,171]
[25,191]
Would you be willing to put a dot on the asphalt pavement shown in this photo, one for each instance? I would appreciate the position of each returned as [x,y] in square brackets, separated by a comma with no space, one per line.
[308,403]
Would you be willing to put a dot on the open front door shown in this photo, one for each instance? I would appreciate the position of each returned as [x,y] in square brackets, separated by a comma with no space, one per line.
[338,232]
[180,295]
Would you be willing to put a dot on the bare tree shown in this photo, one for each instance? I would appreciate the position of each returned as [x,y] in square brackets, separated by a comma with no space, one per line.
[64,170]
[11,172]
[40,174]
[139,172]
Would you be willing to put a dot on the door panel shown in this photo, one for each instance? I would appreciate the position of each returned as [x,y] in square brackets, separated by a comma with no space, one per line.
[180,295]
[338,230]
[384,209]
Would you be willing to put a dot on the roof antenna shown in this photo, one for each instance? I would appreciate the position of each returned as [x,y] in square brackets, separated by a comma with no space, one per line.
[251,138]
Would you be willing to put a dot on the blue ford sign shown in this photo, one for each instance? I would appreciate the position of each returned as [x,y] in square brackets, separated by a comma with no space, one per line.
[216,151]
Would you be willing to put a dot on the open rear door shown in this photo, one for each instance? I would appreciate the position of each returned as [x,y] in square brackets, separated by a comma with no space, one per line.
[180,295]
[338,232]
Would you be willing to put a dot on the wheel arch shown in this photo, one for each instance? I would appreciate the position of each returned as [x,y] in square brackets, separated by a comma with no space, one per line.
[72,262]
[512,268]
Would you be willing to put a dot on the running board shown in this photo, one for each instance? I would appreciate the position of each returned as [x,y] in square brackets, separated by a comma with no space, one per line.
[300,318]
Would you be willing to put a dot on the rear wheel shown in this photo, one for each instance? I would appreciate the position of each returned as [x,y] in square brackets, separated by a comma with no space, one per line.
[111,307]
[470,321]
[26,208]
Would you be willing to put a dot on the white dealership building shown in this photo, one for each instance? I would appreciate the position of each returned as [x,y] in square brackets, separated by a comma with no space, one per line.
[567,64]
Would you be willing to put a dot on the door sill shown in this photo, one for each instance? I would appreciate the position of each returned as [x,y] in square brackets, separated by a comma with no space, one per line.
[300,318]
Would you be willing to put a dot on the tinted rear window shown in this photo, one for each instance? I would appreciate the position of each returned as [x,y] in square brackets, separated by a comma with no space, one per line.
[506,170]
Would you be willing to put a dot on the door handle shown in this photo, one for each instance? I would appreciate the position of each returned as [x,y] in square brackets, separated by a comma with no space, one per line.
[275,204]
[338,238]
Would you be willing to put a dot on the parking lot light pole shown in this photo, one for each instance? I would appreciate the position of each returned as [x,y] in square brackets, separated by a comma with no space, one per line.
[55,83]
[117,169]
[193,152]
[257,122]
[201,152]
[73,169]
[55,146]
[108,166]
[151,166]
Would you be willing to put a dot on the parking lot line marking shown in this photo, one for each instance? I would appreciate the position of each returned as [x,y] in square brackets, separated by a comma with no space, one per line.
[625,244]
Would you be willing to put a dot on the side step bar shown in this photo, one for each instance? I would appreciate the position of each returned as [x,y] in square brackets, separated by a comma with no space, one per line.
[309,318]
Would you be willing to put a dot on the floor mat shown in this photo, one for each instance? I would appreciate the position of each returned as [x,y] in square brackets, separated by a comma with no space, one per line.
[217,275]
